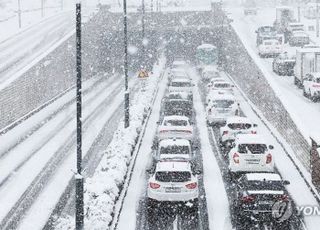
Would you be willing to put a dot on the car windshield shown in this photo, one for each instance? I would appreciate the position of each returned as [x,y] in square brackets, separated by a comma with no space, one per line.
[239,125]
[180,176]
[175,123]
[264,185]
[180,84]
[252,148]
[177,107]
[175,149]
[222,103]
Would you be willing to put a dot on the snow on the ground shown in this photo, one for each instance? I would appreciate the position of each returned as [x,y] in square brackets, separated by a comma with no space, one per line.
[216,196]
[103,188]
[298,189]
[39,147]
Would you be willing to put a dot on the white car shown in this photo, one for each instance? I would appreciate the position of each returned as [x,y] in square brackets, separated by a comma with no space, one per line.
[311,86]
[180,85]
[270,47]
[235,126]
[250,153]
[175,127]
[299,38]
[174,149]
[173,182]
[220,107]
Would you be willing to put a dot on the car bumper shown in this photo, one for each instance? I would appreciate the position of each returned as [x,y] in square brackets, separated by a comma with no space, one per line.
[172,197]
[251,168]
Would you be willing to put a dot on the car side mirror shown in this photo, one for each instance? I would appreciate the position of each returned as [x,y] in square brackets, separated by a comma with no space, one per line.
[255,125]
[286,182]
[271,147]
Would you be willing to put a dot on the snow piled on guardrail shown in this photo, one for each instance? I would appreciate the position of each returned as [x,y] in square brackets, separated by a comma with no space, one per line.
[103,189]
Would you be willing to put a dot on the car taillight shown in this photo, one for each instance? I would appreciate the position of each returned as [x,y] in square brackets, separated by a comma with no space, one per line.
[247,199]
[192,185]
[284,197]
[154,185]
[269,158]
[236,158]
[253,132]
[225,133]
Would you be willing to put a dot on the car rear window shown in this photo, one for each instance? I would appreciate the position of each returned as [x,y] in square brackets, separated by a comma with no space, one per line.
[181,176]
[180,84]
[222,103]
[174,149]
[253,148]
[222,85]
[239,126]
[264,185]
[175,123]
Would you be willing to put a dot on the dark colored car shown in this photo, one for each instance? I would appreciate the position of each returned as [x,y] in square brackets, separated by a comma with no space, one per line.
[283,65]
[258,193]
[265,32]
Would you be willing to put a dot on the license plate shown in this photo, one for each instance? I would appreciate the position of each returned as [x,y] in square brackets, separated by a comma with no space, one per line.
[173,190]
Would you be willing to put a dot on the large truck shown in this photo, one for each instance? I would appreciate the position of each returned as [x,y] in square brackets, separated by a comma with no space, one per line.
[307,61]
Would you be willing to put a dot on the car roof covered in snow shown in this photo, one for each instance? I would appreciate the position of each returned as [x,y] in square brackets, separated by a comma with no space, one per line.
[173,166]
[180,79]
[178,62]
[170,142]
[270,40]
[217,96]
[263,176]
[237,119]
[176,117]
[300,33]
[183,95]
[206,46]
[209,68]
[250,139]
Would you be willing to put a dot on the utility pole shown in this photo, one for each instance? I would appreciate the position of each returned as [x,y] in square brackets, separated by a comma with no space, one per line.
[19,13]
[143,30]
[42,8]
[126,93]
[79,177]
[317,19]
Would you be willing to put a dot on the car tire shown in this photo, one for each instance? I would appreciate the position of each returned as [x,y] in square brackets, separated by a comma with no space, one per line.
[304,92]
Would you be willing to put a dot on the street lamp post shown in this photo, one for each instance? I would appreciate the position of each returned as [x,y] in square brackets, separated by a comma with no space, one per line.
[79,177]
[126,93]
[317,19]
[42,8]
[19,13]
